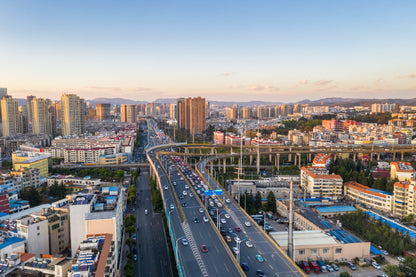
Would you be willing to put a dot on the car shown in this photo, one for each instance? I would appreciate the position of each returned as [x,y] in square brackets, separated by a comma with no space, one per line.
[237,239]
[376,265]
[247,223]
[166,187]
[134,236]
[196,220]
[249,244]
[352,266]
[401,259]
[237,229]
[184,242]
[135,257]
[223,221]
[134,250]
[227,238]
[182,179]
[227,200]
[146,212]
[191,195]
[385,252]
[186,187]
[172,207]
[174,183]
[204,248]
[219,205]
[184,204]
[134,209]
[335,267]
[205,219]
[259,258]
[227,216]
[245,266]
[181,196]
[184,192]
[329,268]
[260,273]
[201,210]
[224,233]
[235,250]
[230,231]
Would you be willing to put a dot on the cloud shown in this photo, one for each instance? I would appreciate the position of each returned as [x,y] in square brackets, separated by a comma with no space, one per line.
[411,75]
[132,89]
[105,88]
[322,82]
[303,82]
[262,88]
[139,89]
[227,74]
[230,86]
[379,81]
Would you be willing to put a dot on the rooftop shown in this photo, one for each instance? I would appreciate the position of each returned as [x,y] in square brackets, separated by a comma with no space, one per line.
[336,209]
[303,238]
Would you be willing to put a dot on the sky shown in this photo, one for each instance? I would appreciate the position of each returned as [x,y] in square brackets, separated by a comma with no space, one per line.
[277,51]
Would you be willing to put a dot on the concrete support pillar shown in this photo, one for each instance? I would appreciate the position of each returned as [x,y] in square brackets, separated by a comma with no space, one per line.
[270,157]
[394,156]
[296,159]
[219,165]
[290,157]
[354,156]
[402,156]
[200,151]
[212,150]
[371,156]
[378,156]
[309,157]
[212,167]
[278,162]
[186,150]
[224,165]
[300,161]
[258,161]
[251,159]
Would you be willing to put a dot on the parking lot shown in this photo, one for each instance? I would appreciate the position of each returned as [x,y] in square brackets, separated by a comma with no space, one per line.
[360,272]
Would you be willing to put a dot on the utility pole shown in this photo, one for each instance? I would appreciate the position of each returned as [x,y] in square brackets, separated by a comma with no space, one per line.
[290,235]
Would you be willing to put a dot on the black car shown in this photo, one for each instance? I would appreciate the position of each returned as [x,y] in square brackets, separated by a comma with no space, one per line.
[184,204]
[260,273]
[196,220]
[134,250]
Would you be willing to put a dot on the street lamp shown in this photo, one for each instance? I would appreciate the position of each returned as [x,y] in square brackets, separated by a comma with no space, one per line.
[176,247]
[169,169]
[238,241]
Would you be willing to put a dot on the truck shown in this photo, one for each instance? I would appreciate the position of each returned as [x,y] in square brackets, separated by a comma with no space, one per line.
[315,267]
[306,267]
[322,266]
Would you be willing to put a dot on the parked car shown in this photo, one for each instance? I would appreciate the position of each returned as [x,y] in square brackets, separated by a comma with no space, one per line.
[322,266]
[335,267]
[306,267]
[330,268]
[376,265]
[352,266]
[315,267]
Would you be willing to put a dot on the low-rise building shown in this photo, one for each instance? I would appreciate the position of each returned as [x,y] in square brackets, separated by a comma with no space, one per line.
[35,231]
[369,197]
[119,158]
[46,266]
[404,199]
[403,171]
[322,160]
[319,183]
[28,159]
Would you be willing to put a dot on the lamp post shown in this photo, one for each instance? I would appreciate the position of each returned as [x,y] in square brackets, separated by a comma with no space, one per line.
[176,247]
[238,241]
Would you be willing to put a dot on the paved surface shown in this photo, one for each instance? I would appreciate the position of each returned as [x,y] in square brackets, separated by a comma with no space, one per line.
[275,262]
[360,272]
[153,257]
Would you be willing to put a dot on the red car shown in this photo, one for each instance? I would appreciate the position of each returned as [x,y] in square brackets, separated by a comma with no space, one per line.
[237,229]
[204,248]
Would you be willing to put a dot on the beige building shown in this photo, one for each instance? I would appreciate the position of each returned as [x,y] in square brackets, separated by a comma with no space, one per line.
[369,197]
[73,115]
[191,115]
[317,245]
[319,183]
[402,171]
[404,198]
[103,111]
[58,228]
[128,113]
[10,116]
[41,117]
[35,231]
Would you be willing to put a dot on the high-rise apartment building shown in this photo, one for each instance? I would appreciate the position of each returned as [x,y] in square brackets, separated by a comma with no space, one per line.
[191,114]
[29,100]
[10,116]
[73,114]
[103,111]
[231,113]
[128,113]
[41,117]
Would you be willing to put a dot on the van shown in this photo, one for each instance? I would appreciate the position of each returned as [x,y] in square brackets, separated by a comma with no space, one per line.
[315,267]
[322,266]
[306,267]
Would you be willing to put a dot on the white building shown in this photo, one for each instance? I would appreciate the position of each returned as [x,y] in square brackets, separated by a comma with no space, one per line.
[319,183]
[35,231]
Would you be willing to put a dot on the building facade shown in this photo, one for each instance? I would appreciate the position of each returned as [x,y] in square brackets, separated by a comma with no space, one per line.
[73,115]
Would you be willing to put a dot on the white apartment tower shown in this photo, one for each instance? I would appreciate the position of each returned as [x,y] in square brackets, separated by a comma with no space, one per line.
[73,115]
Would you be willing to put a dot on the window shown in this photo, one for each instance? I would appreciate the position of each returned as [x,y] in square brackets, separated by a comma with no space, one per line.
[325,251]
[314,251]
[338,251]
[301,252]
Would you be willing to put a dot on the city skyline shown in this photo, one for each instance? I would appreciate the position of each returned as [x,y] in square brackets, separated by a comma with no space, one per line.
[269,51]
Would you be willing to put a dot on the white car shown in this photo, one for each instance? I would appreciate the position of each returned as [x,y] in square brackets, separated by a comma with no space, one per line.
[219,205]
[223,221]
[237,239]
[227,200]
[235,250]
[191,195]
[400,259]
[376,265]
[249,244]
[186,187]
[184,192]
[227,216]
[330,269]
[201,210]
[247,223]
[166,187]
[172,207]
[205,219]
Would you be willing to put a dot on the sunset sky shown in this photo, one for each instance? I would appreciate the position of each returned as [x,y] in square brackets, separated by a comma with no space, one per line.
[222,50]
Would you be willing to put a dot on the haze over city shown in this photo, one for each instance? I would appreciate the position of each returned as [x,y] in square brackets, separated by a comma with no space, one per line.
[282,51]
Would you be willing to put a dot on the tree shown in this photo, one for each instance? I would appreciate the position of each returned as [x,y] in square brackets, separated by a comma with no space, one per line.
[271,203]
[31,195]
[393,271]
[130,229]
[408,266]
[257,201]
[120,173]
[130,220]
[345,274]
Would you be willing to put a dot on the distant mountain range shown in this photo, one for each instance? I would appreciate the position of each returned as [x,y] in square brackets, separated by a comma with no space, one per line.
[324,101]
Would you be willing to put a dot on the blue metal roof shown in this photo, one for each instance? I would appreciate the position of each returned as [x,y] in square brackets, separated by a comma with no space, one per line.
[380,191]
[335,209]
[10,241]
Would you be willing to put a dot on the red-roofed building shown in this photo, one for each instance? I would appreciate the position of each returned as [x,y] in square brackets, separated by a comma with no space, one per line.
[322,160]
[319,183]
[369,197]
[401,171]
[404,198]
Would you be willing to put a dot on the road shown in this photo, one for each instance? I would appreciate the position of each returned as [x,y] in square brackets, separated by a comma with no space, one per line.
[153,257]
[275,262]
